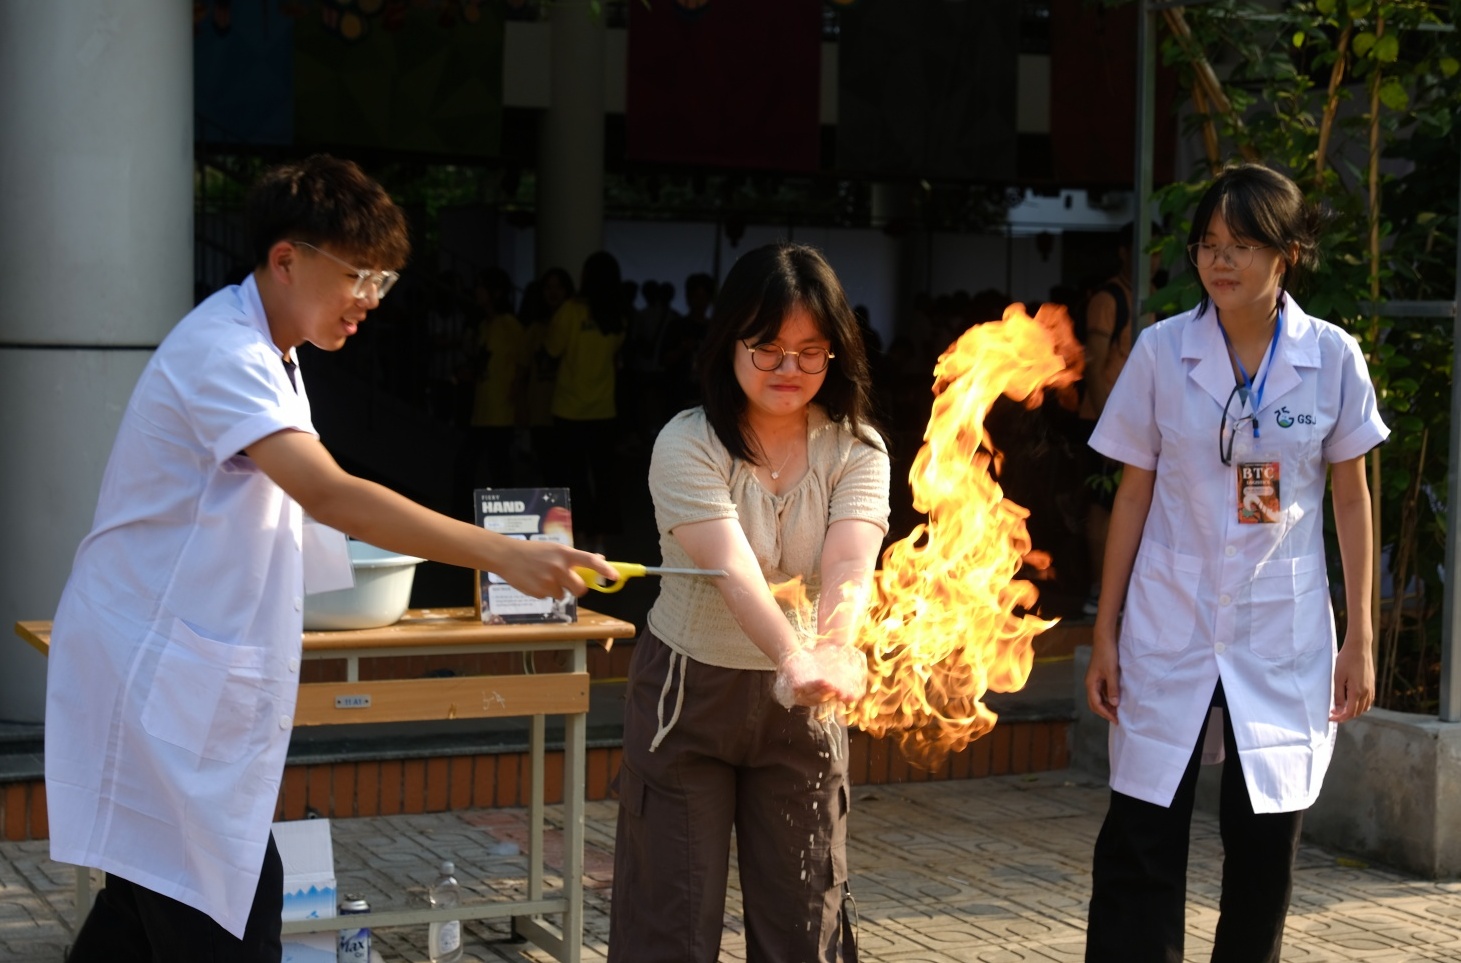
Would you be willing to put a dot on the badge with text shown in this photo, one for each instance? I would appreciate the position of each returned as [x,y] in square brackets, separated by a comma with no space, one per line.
[1258,493]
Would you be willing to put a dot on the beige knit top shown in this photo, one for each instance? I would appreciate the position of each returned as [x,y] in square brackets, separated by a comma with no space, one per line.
[692,478]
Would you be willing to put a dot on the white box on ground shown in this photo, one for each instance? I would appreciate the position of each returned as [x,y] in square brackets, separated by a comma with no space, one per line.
[309,868]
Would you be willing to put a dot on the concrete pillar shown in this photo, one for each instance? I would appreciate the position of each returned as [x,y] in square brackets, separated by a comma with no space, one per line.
[570,223]
[96,246]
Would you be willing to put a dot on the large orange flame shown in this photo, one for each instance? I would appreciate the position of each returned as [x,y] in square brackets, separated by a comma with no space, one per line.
[948,619]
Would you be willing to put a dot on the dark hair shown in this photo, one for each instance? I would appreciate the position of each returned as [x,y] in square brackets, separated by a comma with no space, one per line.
[1259,204]
[498,285]
[603,290]
[763,287]
[326,201]
[701,282]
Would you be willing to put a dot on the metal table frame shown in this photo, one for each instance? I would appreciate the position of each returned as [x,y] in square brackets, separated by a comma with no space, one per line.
[536,695]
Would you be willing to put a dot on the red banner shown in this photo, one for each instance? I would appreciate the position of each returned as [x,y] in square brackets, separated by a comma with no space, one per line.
[725,83]
[1093,97]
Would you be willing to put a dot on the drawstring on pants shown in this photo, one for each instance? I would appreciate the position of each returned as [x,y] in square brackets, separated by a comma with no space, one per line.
[849,925]
[665,727]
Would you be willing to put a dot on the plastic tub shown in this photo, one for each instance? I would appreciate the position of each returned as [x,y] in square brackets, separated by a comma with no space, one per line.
[381,594]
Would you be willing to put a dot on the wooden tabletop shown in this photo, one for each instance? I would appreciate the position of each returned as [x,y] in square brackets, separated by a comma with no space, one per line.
[440,627]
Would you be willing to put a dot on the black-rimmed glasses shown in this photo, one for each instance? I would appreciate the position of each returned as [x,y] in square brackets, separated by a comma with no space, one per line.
[382,281]
[1228,431]
[768,355]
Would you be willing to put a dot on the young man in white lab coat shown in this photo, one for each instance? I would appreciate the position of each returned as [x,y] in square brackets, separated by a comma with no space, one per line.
[175,652]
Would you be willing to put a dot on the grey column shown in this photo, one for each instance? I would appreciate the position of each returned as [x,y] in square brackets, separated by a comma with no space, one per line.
[96,239]
[570,194]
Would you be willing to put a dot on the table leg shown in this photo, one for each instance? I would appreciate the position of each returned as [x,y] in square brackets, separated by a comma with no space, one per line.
[88,881]
[574,726]
[535,808]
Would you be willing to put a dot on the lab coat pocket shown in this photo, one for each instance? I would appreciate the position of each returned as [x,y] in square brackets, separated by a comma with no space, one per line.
[1161,601]
[206,695]
[1289,614]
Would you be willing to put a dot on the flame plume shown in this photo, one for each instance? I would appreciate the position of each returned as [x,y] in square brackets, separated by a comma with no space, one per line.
[947,621]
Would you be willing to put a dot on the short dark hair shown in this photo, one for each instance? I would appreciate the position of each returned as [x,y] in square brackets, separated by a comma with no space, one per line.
[1259,204]
[324,200]
[763,287]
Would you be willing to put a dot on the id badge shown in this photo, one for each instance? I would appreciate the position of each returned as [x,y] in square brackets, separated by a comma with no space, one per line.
[327,565]
[1259,471]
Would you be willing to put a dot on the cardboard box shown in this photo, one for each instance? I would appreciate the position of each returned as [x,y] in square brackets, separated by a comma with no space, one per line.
[309,868]
[536,514]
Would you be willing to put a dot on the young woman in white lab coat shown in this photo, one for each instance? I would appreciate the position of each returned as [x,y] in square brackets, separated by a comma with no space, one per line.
[1227,419]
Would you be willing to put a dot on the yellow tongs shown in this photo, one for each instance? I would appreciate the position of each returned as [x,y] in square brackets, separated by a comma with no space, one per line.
[628,570]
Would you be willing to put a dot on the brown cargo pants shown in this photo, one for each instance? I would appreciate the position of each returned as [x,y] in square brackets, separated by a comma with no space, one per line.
[734,757]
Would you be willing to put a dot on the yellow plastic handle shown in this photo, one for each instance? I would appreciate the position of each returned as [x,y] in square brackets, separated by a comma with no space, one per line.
[595,581]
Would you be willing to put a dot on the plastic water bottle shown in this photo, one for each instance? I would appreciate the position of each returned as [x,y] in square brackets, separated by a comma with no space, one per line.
[444,938]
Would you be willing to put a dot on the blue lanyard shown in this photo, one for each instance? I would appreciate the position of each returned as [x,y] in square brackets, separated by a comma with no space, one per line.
[1255,394]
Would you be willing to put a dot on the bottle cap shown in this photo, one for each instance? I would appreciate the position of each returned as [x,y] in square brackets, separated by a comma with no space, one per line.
[447,867]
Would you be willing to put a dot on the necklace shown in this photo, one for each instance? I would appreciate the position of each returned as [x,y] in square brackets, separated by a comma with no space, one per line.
[777,473]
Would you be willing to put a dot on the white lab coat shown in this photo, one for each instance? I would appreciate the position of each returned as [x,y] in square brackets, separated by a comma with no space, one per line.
[174,660]
[1210,597]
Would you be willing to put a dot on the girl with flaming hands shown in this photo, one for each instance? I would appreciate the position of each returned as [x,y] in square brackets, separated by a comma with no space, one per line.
[779,476]
[1228,419]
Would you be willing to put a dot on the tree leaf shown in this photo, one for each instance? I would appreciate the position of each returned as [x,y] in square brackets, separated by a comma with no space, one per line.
[1449,66]
[1363,42]
[1387,48]
[1393,95]
[1298,38]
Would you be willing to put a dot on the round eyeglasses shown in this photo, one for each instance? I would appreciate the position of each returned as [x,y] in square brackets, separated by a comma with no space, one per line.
[382,281]
[768,355]
[1236,256]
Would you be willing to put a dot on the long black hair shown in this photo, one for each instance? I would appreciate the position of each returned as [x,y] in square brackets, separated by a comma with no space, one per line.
[1259,204]
[603,289]
[763,287]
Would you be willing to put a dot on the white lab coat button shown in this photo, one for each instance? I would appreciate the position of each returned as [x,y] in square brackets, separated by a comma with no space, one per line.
[1231,551]
[1225,599]
[284,722]
[298,603]
[293,665]
[1220,648]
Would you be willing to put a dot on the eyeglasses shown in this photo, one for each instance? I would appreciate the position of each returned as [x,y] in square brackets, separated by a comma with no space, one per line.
[768,355]
[1237,256]
[382,281]
[1228,430]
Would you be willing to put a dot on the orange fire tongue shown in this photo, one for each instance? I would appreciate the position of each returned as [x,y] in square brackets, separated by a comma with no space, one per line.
[943,627]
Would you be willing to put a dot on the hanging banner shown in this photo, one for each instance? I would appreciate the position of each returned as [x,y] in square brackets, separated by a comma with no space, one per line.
[394,76]
[725,83]
[927,88]
[1093,97]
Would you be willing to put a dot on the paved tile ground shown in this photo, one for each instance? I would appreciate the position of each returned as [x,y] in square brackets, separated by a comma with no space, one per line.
[991,870]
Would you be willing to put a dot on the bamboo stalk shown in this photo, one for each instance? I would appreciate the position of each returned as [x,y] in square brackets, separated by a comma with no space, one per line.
[1207,79]
[1209,130]
[1374,219]
[1331,100]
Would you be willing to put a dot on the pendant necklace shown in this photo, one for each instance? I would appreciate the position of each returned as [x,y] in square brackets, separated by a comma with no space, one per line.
[777,473]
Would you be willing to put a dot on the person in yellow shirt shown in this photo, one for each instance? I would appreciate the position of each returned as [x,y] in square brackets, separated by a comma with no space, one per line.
[585,335]
[498,349]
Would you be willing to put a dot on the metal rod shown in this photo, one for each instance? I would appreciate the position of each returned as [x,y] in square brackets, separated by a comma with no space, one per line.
[1450,702]
[1146,112]
[1410,309]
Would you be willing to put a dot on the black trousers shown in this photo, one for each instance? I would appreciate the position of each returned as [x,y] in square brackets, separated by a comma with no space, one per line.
[1139,885]
[132,924]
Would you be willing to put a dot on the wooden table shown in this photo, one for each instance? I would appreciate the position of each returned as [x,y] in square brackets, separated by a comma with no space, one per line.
[459,631]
